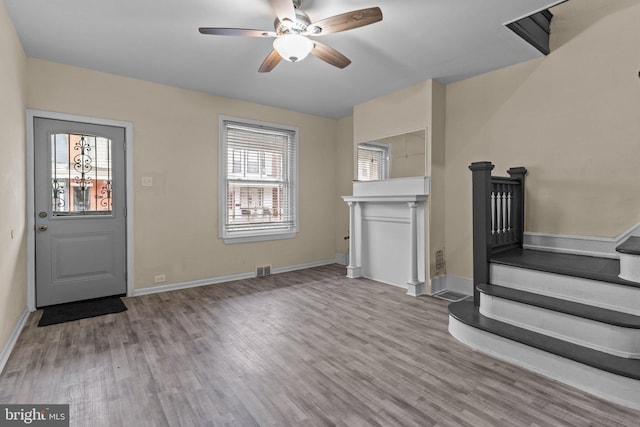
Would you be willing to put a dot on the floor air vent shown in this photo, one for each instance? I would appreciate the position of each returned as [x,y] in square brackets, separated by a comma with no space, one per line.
[450,295]
[263,270]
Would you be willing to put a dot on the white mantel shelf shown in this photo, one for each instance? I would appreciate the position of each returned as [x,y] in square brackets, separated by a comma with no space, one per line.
[420,185]
[385,199]
[387,223]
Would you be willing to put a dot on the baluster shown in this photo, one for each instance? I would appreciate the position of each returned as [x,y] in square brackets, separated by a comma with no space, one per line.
[504,212]
[499,212]
[509,201]
[493,212]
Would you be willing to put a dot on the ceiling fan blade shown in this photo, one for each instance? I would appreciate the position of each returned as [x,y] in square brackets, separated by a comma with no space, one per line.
[283,9]
[236,32]
[348,21]
[330,55]
[270,62]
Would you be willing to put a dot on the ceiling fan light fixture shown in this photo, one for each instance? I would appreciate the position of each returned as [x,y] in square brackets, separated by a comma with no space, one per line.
[293,47]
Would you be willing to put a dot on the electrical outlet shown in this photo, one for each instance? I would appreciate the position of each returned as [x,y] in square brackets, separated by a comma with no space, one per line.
[160,278]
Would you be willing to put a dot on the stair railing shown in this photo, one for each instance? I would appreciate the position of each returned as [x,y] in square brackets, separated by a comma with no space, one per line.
[498,217]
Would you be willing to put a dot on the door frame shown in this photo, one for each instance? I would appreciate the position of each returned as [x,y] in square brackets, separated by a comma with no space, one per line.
[30,167]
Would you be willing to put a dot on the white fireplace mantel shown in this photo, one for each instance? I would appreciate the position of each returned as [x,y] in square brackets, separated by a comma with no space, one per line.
[387,232]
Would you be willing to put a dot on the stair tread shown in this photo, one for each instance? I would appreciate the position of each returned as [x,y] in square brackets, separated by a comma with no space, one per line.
[603,315]
[467,313]
[586,267]
[631,246]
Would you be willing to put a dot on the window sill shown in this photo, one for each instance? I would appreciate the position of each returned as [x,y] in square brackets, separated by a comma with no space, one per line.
[252,238]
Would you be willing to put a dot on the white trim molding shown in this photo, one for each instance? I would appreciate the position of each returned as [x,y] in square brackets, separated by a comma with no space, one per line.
[292,182]
[342,258]
[227,278]
[13,338]
[296,267]
[438,284]
[451,283]
[604,247]
[31,247]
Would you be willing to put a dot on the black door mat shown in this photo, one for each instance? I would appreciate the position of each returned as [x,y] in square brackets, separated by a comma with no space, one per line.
[80,310]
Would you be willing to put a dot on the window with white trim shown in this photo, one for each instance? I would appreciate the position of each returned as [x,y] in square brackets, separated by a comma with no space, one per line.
[258,181]
[373,161]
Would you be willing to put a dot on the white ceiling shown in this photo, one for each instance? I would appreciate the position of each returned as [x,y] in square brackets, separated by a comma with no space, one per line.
[158,41]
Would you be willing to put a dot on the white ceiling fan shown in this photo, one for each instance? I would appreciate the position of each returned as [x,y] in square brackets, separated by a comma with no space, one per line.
[292,29]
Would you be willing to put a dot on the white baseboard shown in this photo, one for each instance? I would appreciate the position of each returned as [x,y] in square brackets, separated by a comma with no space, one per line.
[13,338]
[312,264]
[228,278]
[342,258]
[451,283]
[604,247]
[438,283]
[416,290]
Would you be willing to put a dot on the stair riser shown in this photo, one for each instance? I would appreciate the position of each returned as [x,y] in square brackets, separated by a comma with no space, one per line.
[619,341]
[621,298]
[616,388]
[630,267]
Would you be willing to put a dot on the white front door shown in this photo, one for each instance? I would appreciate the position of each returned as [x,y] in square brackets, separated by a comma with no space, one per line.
[80,211]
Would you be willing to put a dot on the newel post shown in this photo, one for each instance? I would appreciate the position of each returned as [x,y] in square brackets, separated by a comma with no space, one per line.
[481,187]
[518,202]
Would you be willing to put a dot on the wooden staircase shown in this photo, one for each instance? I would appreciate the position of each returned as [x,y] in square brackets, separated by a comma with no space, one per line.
[570,317]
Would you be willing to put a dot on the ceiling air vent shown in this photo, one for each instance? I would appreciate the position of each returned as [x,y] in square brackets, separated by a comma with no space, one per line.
[535,30]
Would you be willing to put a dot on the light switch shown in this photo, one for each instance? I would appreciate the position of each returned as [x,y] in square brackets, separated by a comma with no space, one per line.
[147,181]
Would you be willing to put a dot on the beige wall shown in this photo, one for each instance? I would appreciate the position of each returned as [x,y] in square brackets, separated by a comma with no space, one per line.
[344,180]
[420,106]
[403,111]
[176,143]
[436,156]
[571,118]
[13,288]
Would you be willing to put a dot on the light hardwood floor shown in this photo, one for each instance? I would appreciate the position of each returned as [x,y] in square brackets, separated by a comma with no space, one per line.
[307,348]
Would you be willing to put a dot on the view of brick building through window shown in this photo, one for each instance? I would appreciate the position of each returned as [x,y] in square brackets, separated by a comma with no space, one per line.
[254,194]
[80,175]
[258,175]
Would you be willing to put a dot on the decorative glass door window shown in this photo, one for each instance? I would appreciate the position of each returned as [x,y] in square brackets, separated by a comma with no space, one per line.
[81,175]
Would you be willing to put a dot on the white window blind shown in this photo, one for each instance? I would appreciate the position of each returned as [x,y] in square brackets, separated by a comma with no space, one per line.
[259,168]
[372,162]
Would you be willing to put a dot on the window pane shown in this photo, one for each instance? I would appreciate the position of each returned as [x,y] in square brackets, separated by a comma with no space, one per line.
[370,164]
[80,175]
[259,179]
[252,162]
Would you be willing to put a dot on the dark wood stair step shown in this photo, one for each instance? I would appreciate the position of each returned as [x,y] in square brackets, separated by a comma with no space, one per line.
[585,311]
[631,246]
[467,313]
[585,267]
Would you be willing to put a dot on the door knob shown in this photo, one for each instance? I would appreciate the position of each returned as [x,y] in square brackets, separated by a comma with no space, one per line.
[43,227]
